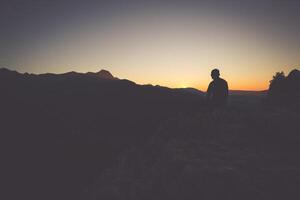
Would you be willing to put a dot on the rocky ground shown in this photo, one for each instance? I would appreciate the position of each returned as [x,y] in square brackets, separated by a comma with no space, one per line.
[230,154]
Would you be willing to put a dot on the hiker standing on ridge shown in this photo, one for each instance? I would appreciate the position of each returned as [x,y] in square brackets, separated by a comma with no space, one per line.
[217,92]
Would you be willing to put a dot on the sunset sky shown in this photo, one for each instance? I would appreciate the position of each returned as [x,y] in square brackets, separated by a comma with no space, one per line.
[170,43]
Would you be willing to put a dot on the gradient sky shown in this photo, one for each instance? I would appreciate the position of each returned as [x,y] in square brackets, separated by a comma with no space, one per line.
[170,43]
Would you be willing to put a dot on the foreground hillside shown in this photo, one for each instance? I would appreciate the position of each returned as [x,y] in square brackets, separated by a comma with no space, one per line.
[94,136]
[222,155]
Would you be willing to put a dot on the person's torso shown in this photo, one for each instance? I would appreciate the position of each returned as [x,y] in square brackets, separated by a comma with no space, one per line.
[219,90]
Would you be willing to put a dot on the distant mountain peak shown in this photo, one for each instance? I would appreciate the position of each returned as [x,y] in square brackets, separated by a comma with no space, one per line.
[105,74]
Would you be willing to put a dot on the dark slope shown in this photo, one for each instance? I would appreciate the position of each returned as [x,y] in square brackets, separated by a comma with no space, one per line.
[60,130]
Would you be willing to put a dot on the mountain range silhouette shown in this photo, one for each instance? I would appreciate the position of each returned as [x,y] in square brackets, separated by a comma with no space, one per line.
[72,125]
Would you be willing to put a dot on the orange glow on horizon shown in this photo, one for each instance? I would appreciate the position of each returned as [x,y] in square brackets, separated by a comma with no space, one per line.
[233,85]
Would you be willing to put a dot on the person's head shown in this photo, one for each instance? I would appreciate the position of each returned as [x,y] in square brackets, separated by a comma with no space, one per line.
[215,73]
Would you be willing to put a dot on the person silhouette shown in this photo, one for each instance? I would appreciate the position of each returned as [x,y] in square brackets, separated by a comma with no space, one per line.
[217,91]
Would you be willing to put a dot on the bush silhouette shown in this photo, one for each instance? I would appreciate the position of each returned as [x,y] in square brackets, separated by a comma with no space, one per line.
[285,90]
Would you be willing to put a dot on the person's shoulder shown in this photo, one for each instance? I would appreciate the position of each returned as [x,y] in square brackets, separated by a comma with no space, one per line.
[224,81]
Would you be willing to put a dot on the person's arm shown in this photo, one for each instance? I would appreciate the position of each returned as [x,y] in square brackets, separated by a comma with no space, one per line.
[226,89]
[208,92]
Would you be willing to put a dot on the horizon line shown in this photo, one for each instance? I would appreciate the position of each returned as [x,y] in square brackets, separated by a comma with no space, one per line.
[152,84]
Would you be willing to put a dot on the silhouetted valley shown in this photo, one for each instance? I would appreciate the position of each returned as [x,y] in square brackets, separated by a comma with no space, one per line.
[95,136]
